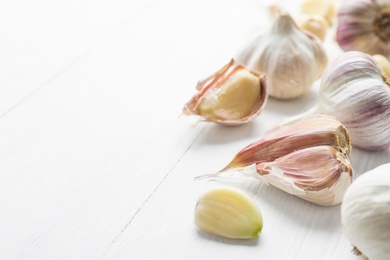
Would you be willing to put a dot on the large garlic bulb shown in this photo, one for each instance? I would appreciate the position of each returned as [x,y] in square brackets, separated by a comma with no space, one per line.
[292,59]
[365,213]
[354,91]
[364,25]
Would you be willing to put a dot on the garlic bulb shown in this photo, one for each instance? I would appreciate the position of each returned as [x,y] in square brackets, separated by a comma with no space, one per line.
[365,213]
[354,91]
[291,59]
[364,25]
[228,212]
[383,63]
[308,158]
[233,95]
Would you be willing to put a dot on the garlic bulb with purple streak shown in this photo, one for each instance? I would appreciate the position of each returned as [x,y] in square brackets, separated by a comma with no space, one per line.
[354,91]
[364,25]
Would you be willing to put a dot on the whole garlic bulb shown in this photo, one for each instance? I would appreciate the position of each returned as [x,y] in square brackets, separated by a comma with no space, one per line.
[365,213]
[292,59]
[364,25]
[354,91]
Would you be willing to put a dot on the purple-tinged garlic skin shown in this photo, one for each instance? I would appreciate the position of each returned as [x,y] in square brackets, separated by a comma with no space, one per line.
[364,25]
[354,91]
[318,174]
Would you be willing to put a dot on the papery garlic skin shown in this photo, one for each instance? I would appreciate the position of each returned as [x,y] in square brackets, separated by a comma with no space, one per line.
[291,59]
[233,95]
[307,157]
[228,212]
[363,25]
[292,135]
[354,91]
[365,213]
[318,174]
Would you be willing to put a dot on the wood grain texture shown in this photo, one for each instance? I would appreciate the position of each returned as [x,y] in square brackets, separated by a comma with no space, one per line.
[96,161]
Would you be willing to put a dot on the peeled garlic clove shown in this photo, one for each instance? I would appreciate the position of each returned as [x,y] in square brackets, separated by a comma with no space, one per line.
[229,213]
[324,8]
[364,26]
[384,64]
[291,59]
[314,24]
[306,157]
[231,96]
[354,91]
[365,213]
[318,174]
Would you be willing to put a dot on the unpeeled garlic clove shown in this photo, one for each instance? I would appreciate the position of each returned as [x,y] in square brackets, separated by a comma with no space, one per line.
[307,157]
[384,64]
[364,26]
[314,24]
[324,8]
[233,95]
[354,91]
[292,135]
[318,174]
[292,59]
[228,212]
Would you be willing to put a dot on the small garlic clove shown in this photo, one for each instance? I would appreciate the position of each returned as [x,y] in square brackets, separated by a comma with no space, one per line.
[384,64]
[291,59]
[314,24]
[228,212]
[364,26]
[231,96]
[289,136]
[319,174]
[324,8]
[354,91]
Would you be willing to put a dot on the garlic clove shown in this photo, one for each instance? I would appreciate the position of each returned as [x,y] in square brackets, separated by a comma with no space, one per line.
[292,59]
[289,136]
[324,8]
[233,95]
[364,26]
[228,212]
[314,24]
[384,64]
[318,174]
[354,91]
[365,213]
[307,157]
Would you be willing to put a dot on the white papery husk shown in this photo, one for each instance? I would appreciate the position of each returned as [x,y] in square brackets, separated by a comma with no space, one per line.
[365,213]
[354,91]
[317,174]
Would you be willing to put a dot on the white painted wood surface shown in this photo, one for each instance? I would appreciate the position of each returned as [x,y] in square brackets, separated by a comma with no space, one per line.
[96,161]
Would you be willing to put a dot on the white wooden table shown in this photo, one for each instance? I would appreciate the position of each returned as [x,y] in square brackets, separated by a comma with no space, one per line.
[96,161]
